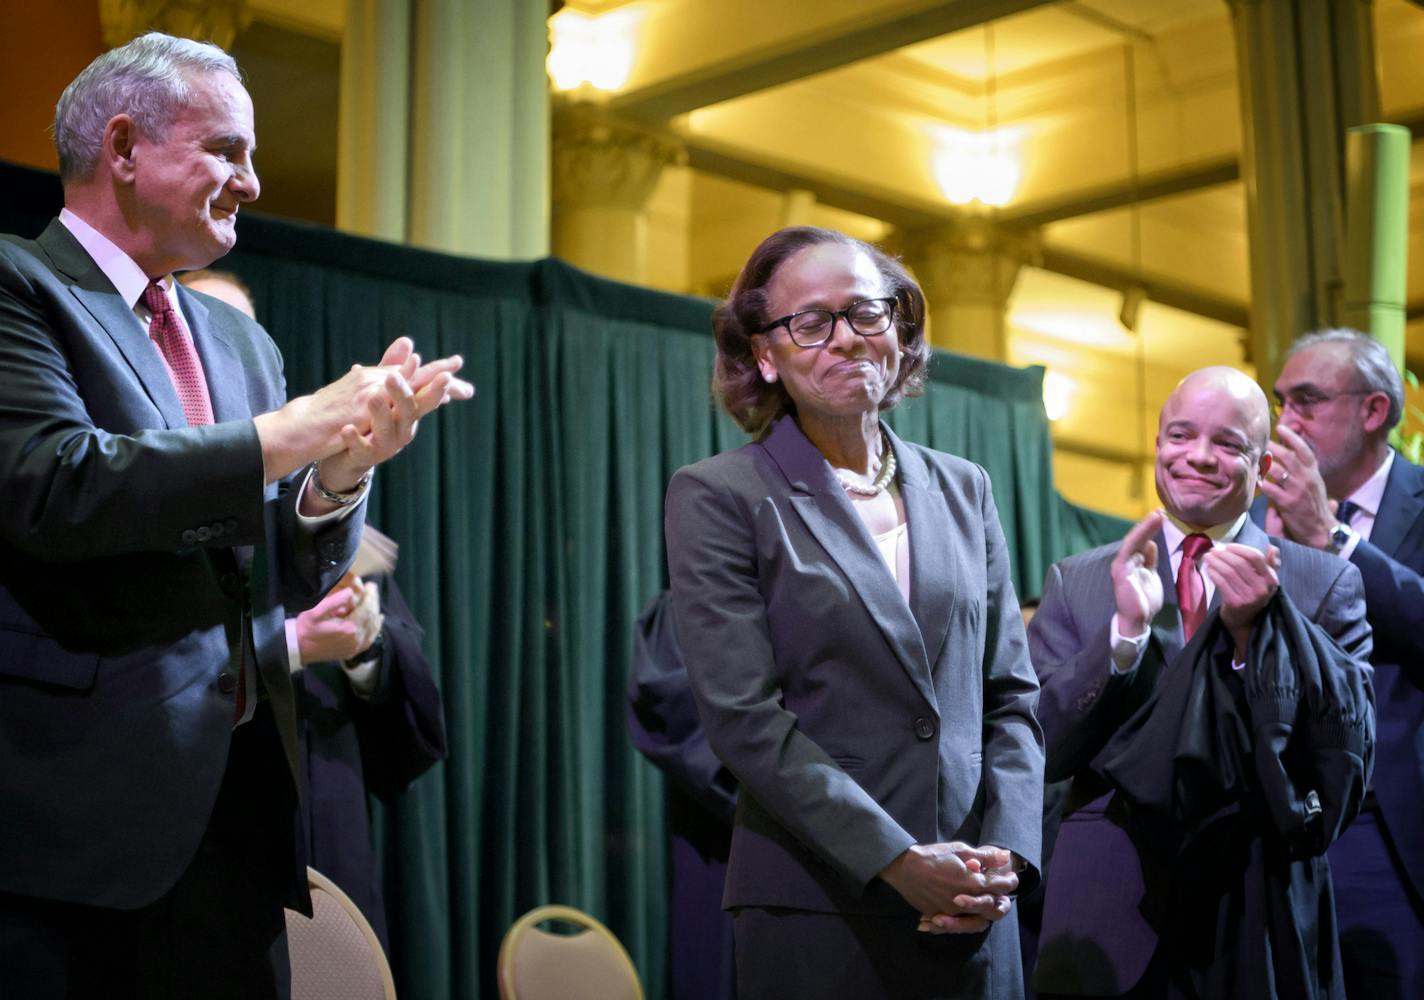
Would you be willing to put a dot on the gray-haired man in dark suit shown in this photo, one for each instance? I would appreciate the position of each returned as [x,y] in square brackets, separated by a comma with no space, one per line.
[165,507]
[1338,486]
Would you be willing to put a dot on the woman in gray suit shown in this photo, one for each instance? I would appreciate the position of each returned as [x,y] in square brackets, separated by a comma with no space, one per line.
[843,602]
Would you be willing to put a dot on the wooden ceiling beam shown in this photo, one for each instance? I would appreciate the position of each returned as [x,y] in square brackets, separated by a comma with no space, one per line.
[815,52]
[1105,274]
[901,211]
[1120,194]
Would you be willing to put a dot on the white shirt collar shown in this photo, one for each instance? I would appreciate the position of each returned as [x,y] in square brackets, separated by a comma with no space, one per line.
[1371,492]
[126,276]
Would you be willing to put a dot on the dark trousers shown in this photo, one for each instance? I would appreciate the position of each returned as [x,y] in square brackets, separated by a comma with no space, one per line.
[206,938]
[1381,917]
[699,930]
[782,954]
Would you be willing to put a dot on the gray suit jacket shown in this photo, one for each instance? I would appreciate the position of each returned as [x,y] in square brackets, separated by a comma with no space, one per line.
[141,561]
[1101,890]
[857,725]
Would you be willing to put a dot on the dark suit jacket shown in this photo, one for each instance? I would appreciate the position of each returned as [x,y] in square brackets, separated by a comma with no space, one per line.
[1391,564]
[857,725]
[352,746]
[140,561]
[1104,890]
[701,803]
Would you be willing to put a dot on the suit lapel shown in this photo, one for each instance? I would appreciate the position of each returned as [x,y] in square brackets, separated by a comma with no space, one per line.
[818,499]
[222,365]
[102,301]
[1250,534]
[1400,507]
[1167,625]
[934,575]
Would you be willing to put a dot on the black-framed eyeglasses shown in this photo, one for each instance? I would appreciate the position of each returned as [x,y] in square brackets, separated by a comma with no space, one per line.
[813,327]
[1304,402]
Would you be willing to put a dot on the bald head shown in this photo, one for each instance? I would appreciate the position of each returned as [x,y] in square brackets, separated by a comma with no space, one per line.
[1251,404]
[1211,446]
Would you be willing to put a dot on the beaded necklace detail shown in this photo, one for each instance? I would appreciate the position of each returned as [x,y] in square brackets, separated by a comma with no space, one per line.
[882,478]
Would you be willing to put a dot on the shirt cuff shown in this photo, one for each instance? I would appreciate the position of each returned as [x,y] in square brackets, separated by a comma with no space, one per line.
[362,676]
[294,647]
[1126,650]
[314,521]
[1348,549]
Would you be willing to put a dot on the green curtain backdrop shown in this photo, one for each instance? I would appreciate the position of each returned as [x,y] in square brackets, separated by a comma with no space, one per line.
[530,526]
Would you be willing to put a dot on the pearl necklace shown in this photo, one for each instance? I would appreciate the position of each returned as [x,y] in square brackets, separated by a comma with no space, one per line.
[882,478]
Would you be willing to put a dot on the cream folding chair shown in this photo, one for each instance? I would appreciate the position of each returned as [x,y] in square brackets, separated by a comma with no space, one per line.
[336,955]
[589,964]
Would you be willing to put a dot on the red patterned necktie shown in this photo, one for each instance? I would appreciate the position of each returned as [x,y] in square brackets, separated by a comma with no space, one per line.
[1191,590]
[187,374]
[179,355]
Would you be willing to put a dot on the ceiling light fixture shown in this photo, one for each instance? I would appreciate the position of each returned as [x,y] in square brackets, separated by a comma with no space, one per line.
[977,168]
[592,52]
[980,168]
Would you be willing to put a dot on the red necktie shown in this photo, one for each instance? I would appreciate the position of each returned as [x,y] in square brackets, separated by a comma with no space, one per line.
[179,355]
[1191,591]
[187,374]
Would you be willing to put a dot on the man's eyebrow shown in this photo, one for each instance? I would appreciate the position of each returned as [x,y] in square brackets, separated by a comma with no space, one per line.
[230,140]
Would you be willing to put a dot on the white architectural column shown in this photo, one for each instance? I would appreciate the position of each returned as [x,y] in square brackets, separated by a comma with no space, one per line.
[967,270]
[445,124]
[373,155]
[1306,73]
[604,172]
[216,21]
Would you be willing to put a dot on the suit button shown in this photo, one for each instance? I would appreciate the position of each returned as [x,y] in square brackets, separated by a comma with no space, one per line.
[190,537]
[924,728]
[227,682]
[228,583]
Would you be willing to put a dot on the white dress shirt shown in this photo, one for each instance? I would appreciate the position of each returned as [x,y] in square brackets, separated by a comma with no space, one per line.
[130,282]
[1127,650]
[1367,500]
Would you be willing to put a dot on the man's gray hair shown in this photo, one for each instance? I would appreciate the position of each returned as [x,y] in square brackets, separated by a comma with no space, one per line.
[1374,368]
[146,79]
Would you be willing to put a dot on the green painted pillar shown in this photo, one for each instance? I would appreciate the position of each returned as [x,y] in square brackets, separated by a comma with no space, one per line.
[1377,245]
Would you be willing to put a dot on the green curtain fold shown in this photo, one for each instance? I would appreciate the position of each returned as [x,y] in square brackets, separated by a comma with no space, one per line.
[530,527]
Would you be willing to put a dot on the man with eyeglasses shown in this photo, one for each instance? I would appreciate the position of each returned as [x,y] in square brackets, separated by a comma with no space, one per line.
[1338,486]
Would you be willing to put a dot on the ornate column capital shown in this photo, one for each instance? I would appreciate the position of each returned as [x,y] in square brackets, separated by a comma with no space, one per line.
[216,21]
[600,161]
[967,261]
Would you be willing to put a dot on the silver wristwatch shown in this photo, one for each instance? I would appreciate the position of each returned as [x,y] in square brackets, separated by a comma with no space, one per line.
[1339,537]
[331,496]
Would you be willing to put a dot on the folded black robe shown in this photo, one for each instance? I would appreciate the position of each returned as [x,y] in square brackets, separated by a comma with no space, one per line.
[1240,780]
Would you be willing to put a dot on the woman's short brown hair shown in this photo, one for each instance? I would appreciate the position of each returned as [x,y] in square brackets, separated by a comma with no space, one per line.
[736,381]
